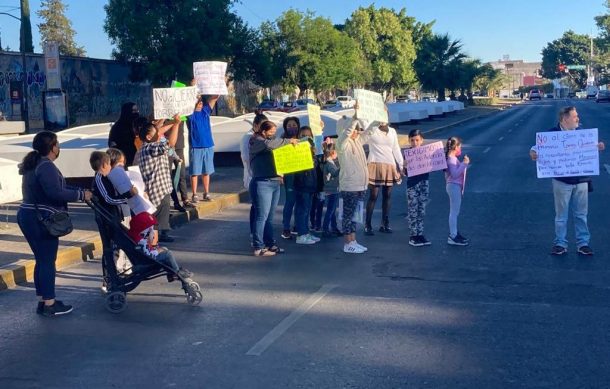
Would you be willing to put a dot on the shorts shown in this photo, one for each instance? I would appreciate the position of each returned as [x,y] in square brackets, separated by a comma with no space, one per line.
[201,161]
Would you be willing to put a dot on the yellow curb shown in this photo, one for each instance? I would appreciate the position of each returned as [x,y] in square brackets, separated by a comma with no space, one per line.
[22,271]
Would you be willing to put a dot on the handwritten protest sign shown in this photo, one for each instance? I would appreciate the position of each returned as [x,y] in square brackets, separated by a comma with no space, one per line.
[370,106]
[425,159]
[290,159]
[170,101]
[210,77]
[567,153]
[313,111]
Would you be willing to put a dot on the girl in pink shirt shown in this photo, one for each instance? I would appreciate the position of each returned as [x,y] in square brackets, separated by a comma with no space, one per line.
[455,176]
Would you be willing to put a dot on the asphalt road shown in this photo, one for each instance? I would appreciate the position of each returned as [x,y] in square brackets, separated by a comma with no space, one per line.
[500,313]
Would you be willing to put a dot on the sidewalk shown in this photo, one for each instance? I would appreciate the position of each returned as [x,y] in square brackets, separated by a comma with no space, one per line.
[17,261]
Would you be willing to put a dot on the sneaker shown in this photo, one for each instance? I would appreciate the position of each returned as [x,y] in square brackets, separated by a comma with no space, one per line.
[465,239]
[425,241]
[179,208]
[294,231]
[314,238]
[558,250]
[368,231]
[58,308]
[361,246]
[206,197]
[352,248]
[263,253]
[585,250]
[194,199]
[286,234]
[385,229]
[305,239]
[457,241]
[40,307]
[415,241]
[276,249]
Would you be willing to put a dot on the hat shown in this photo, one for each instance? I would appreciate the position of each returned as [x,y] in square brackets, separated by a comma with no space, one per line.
[139,223]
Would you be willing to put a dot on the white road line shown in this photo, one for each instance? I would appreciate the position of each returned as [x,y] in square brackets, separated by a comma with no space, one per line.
[607,167]
[285,324]
[486,150]
[501,138]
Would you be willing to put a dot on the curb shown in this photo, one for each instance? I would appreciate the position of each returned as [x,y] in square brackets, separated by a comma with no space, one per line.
[22,271]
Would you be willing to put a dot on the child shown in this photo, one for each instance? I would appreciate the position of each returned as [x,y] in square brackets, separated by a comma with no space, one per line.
[305,186]
[330,172]
[418,190]
[455,175]
[141,231]
[123,181]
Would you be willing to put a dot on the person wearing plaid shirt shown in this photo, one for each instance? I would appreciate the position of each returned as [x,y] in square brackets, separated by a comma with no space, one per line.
[155,169]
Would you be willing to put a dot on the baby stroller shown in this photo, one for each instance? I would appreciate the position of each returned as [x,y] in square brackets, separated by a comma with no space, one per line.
[144,266]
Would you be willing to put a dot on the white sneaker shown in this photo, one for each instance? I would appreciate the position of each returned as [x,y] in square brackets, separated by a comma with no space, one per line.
[361,246]
[305,239]
[314,238]
[352,248]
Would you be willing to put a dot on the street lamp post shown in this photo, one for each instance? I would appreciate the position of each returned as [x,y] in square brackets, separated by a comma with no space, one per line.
[24,77]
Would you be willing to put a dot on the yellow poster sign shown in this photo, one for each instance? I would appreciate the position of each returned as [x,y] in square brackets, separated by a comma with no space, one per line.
[314,119]
[290,159]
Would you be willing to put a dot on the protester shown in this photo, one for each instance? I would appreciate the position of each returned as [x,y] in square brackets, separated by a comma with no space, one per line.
[570,192]
[385,162]
[455,176]
[418,191]
[122,135]
[180,170]
[155,170]
[201,146]
[266,187]
[291,126]
[305,186]
[353,179]
[330,172]
[44,192]
[316,213]
[244,148]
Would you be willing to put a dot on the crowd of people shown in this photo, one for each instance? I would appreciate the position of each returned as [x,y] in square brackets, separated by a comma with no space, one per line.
[326,201]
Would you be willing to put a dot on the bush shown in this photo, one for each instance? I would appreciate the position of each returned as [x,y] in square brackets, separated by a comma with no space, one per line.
[484,101]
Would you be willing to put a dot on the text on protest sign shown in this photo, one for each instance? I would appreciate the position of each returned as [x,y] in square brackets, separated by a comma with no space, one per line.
[170,101]
[313,111]
[210,77]
[567,153]
[290,159]
[425,159]
[370,106]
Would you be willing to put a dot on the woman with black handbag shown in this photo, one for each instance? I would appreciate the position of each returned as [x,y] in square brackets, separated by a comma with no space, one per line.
[43,216]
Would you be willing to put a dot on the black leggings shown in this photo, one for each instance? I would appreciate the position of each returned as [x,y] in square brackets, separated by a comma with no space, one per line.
[386,195]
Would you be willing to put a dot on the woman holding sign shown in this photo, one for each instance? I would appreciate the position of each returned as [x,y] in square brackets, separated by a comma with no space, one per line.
[265,187]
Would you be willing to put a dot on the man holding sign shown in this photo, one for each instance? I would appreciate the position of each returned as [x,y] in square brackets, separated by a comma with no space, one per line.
[568,190]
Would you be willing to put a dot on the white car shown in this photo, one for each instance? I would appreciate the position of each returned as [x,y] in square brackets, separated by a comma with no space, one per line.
[346,102]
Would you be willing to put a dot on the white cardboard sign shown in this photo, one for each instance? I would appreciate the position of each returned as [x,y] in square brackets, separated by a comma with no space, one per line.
[370,106]
[170,101]
[210,77]
[567,153]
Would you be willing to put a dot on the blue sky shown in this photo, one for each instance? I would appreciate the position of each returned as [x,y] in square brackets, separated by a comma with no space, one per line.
[488,29]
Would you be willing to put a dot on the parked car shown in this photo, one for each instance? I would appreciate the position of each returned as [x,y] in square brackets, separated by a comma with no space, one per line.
[269,105]
[346,101]
[301,104]
[535,94]
[403,99]
[287,106]
[331,104]
[592,91]
[429,99]
[602,95]
[549,96]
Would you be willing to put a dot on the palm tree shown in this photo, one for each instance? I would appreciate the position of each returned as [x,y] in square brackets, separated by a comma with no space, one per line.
[438,62]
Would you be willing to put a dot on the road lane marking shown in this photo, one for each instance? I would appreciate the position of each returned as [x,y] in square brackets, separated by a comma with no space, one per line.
[285,324]
[486,150]
[501,138]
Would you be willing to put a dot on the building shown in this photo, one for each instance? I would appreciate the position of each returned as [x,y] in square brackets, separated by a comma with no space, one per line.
[519,73]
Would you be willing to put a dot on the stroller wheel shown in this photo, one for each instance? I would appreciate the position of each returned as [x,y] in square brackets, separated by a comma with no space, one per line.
[193,293]
[116,302]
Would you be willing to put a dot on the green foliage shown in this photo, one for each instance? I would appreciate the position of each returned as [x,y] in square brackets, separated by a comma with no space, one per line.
[484,101]
[386,40]
[488,79]
[439,63]
[570,49]
[56,27]
[168,36]
[26,28]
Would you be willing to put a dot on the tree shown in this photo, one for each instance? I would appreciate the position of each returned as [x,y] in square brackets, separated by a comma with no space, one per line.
[25,43]
[438,63]
[168,36]
[489,80]
[56,27]
[570,49]
[387,44]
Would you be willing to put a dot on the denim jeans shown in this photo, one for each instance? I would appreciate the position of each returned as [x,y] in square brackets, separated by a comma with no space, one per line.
[330,216]
[289,201]
[267,195]
[252,192]
[455,202]
[301,211]
[317,209]
[576,197]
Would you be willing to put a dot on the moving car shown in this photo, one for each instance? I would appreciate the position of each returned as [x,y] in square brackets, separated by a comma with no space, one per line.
[269,105]
[602,95]
[535,94]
